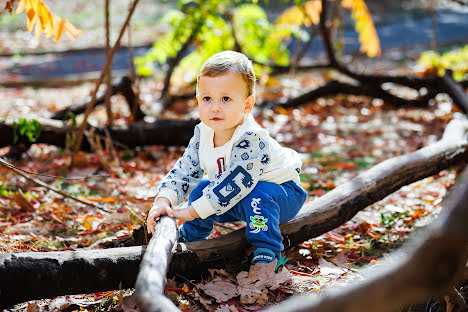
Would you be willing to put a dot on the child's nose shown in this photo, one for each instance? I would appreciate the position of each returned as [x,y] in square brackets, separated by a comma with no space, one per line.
[216,107]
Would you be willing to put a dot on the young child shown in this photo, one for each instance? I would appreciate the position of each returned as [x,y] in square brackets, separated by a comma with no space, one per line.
[250,177]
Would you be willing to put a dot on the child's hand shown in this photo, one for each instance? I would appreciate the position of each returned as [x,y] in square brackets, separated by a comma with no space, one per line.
[161,207]
[186,214]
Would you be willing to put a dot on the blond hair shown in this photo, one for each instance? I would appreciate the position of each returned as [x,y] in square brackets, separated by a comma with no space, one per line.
[229,61]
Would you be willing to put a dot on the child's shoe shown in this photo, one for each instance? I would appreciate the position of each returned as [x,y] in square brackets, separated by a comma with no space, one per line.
[263,255]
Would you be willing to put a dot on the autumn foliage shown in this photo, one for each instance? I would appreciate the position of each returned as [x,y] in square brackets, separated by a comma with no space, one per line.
[43,20]
[309,13]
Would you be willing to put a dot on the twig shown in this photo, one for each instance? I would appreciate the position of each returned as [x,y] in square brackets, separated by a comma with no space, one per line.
[110,118]
[112,148]
[7,164]
[133,74]
[101,77]
[172,62]
[97,147]
[39,182]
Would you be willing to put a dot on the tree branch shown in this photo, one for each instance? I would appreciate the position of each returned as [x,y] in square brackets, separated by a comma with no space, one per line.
[56,273]
[403,278]
[335,87]
[151,279]
[172,62]
[109,58]
[43,184]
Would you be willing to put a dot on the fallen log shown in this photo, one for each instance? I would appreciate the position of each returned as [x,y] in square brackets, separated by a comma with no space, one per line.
[424,267]
[103,269]
[121,85]
[160,132]
[149,287]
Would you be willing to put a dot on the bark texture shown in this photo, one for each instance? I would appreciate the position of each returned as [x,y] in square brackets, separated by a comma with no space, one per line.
[161,132]
[152,276]
[71,272]
[35,275]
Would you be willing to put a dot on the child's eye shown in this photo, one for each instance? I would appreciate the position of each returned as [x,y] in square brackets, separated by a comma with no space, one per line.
[206,98]
[226,98]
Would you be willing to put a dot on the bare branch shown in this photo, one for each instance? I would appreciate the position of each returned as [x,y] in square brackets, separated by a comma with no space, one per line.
[101,77]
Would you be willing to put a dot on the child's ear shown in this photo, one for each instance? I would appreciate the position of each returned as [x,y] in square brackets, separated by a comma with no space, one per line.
[249,103]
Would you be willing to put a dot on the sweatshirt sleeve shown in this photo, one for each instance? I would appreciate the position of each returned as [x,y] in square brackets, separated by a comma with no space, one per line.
[249,158]
[185,175]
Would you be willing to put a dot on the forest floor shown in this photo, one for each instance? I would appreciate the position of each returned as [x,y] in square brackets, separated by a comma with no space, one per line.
[337,137]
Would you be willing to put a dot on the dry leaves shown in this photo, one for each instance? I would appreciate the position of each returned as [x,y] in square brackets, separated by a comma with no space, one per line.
[252,286]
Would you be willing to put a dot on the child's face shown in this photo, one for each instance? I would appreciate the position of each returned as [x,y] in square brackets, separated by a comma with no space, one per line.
[223,100]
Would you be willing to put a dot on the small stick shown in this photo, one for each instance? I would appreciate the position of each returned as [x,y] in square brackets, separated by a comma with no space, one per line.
[97,148]
[112,148]
[7,164]
[110,118]
[109,58]
[39,182]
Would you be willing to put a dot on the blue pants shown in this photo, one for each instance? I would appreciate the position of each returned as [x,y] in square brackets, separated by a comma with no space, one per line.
[266,207]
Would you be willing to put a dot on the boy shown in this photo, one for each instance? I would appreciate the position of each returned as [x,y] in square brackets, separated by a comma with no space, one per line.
[250,177]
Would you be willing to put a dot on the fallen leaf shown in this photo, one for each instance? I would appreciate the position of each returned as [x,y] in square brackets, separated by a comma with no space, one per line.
[226,308]
[220,289]
[21,200]
[252,285]
[328,268]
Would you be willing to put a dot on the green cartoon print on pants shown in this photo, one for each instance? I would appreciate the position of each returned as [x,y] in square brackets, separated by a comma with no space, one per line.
[258,223]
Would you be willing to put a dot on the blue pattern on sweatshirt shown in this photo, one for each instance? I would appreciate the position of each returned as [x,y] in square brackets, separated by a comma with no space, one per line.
[227,189]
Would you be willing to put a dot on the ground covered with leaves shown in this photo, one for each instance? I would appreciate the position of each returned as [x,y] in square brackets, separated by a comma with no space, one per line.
[337,137]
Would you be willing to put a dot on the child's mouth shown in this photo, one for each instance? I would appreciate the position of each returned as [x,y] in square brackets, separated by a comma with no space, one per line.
[216,119]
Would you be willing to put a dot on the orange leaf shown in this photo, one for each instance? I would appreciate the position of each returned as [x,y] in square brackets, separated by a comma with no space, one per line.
[346,165]
[102,199]
[59,30]
[32,17]
[39,15]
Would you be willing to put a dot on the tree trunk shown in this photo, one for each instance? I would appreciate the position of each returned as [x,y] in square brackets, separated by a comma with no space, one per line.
[425,267]
[71,272]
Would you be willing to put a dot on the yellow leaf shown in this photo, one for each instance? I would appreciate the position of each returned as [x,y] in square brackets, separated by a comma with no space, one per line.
[291,16]
[27,5]
[69,26]
[40,14]
[39,30]
[20,7]
[50,25]
[313,9]
[87,225]
[364,25]
[35,4]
